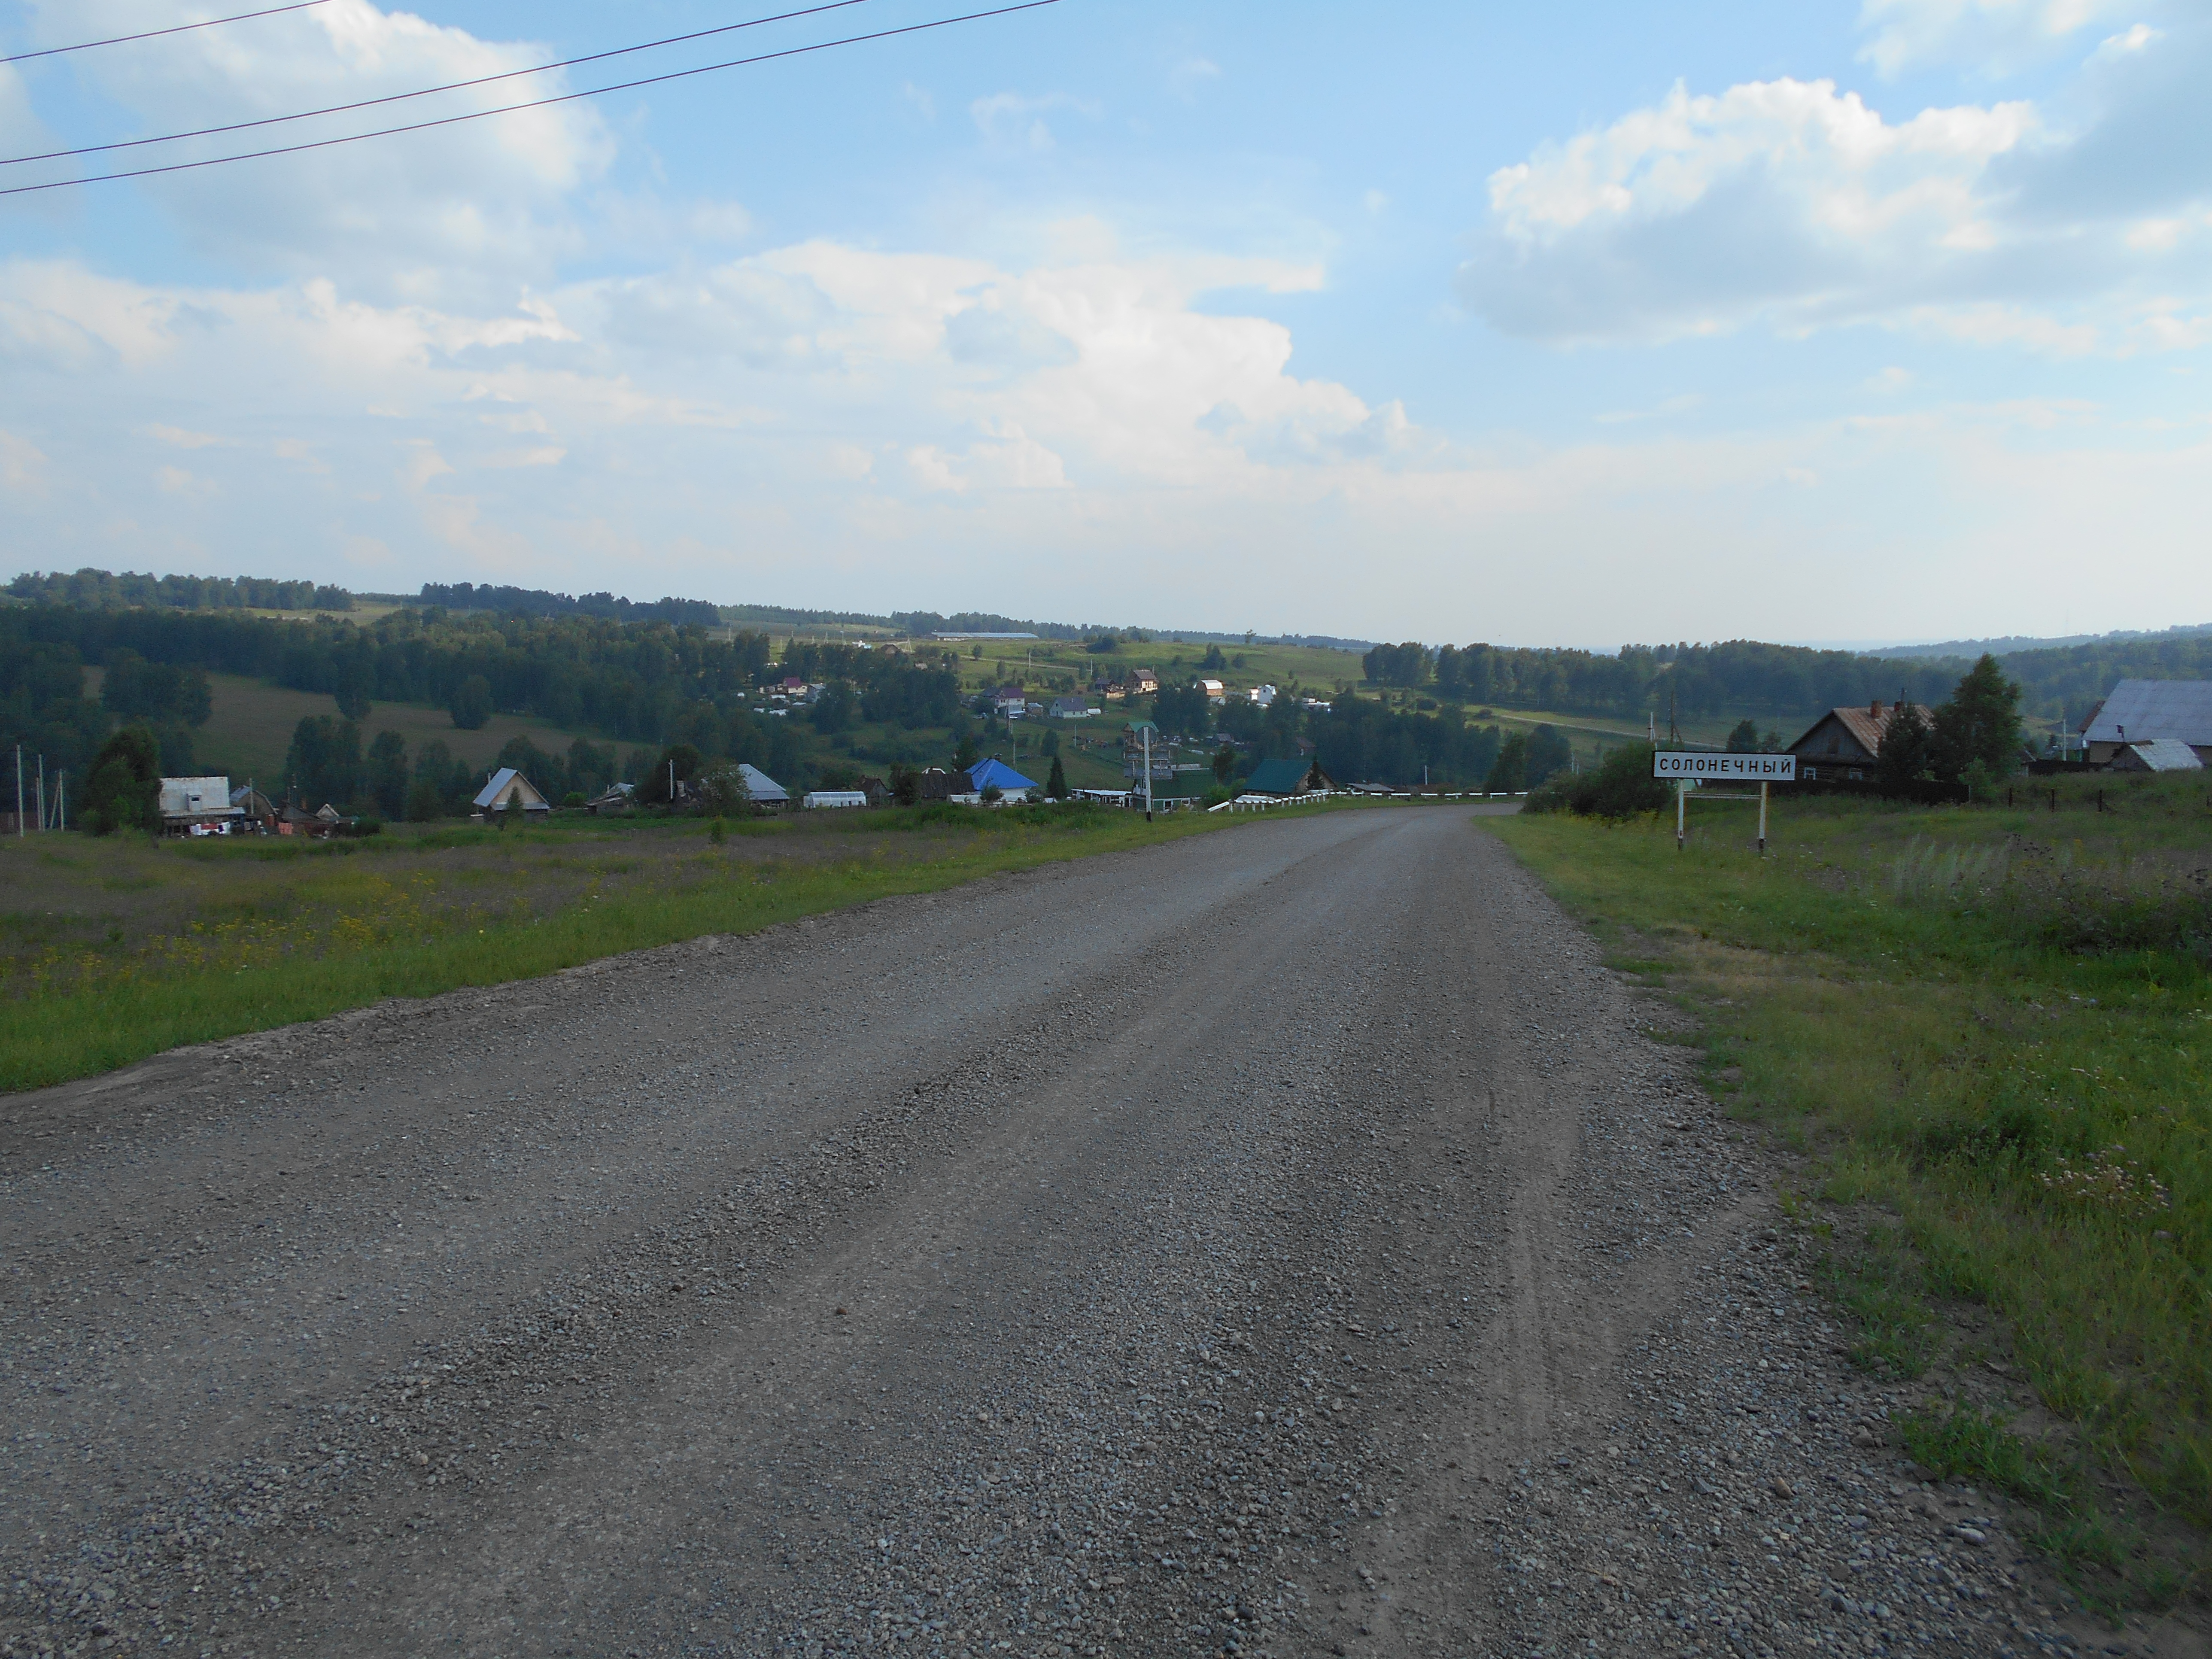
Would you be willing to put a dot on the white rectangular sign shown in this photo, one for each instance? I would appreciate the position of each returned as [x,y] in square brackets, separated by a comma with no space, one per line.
[1751,768]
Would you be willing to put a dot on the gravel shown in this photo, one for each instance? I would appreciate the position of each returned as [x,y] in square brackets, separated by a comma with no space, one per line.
[1290,1241]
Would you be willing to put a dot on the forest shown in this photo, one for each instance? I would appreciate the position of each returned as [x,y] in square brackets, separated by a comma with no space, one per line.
[1784,683]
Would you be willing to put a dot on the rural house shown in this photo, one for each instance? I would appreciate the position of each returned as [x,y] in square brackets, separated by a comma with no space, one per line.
[507,786]
[1070,709]
[197,807]
[1844,742]
[1140,683]
[1286,777]
[995,773]
[2147,711]
[763,790]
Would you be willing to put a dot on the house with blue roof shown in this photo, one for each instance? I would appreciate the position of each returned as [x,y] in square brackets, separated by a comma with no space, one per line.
[995,773]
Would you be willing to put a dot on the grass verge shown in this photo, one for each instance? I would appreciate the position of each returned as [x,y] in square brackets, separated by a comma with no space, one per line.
[1990,1031]
[248,936]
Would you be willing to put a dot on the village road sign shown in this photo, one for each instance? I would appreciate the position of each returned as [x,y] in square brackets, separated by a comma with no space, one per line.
[1731,768]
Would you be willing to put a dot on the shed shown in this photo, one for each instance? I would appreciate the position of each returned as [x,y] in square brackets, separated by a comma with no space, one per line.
[2146,711]
[2159,755]
[995,773]
[507,786]
[765,790]
[615,797]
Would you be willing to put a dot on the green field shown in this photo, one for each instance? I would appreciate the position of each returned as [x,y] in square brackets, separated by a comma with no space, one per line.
[120,948]
[1990,1029]
[252,728]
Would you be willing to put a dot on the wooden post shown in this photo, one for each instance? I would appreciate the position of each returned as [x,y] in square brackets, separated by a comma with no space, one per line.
[1682,809]
[1762,817]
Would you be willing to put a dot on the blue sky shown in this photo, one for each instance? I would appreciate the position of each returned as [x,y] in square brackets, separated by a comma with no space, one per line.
[1577,323]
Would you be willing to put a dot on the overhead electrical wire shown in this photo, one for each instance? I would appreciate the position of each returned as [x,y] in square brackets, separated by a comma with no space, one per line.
[156,34]
[534,103]
[426,92]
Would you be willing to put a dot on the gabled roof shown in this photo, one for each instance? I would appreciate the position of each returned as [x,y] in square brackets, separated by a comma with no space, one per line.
[761,786]
[1864,725]
[497,788]
[2142,711]
[995,773]
[1279,777]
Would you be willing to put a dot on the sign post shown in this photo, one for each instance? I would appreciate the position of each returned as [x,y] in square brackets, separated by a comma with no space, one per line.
[1687,770]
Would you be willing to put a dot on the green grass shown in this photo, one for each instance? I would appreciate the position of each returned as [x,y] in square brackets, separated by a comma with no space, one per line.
[1992,1030]
[120,949]
[252,728]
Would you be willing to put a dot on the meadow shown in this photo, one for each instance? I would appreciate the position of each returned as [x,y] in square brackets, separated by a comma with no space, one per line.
[1989,1030]
[112,949]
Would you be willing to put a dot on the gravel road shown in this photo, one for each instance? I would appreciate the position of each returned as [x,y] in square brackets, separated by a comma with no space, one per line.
[1287,1241]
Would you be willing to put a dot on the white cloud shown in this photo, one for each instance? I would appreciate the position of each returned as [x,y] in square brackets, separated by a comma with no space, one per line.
[1991,35]
[483,203]
[1796,205]
[1011,118]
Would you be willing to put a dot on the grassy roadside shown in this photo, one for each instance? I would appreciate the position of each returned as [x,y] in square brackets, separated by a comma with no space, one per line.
[143,949]
[1992,1032]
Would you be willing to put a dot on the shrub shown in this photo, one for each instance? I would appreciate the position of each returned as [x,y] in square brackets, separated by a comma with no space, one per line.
[1621,787]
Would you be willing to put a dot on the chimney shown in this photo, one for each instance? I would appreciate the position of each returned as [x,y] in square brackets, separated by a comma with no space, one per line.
[1874,710]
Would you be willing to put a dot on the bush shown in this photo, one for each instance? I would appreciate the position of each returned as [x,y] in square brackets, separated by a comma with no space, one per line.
[573,797]
[1621,787]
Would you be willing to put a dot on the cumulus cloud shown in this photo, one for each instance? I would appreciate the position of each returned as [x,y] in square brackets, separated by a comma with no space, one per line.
[1798,204]
[1993,35]
[485,201]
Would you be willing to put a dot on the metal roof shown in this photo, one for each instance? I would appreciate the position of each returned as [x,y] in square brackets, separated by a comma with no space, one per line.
[2144,711]
[1279,777]
[761,786]
[2162,755]
[531,799]
[988,772]
[196,798]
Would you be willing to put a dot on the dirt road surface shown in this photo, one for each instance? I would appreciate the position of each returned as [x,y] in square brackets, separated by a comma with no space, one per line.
[1288,1241]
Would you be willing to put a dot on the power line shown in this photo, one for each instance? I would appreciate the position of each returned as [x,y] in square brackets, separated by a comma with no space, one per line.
[535,103]
[156,34]
[427,91]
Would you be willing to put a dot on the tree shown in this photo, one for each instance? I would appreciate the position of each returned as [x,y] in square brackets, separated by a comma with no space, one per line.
[387,773]
[1549,751]
[1907,754]
[425,802]
[323,762]
[471,704]
[1743,738]
[836,708]
[514,814]
[1406,664]
[1181,708]
[678,763]
[1979,722]
[722,791]
[355,685]
[1509,771]
[125,789]
[1225,763]
[906,785]
[966,755]
[1056,783]
[1212,662]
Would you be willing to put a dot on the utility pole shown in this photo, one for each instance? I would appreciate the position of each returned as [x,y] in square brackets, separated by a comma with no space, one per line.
[42,794]
[1148,774]
[19,790]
